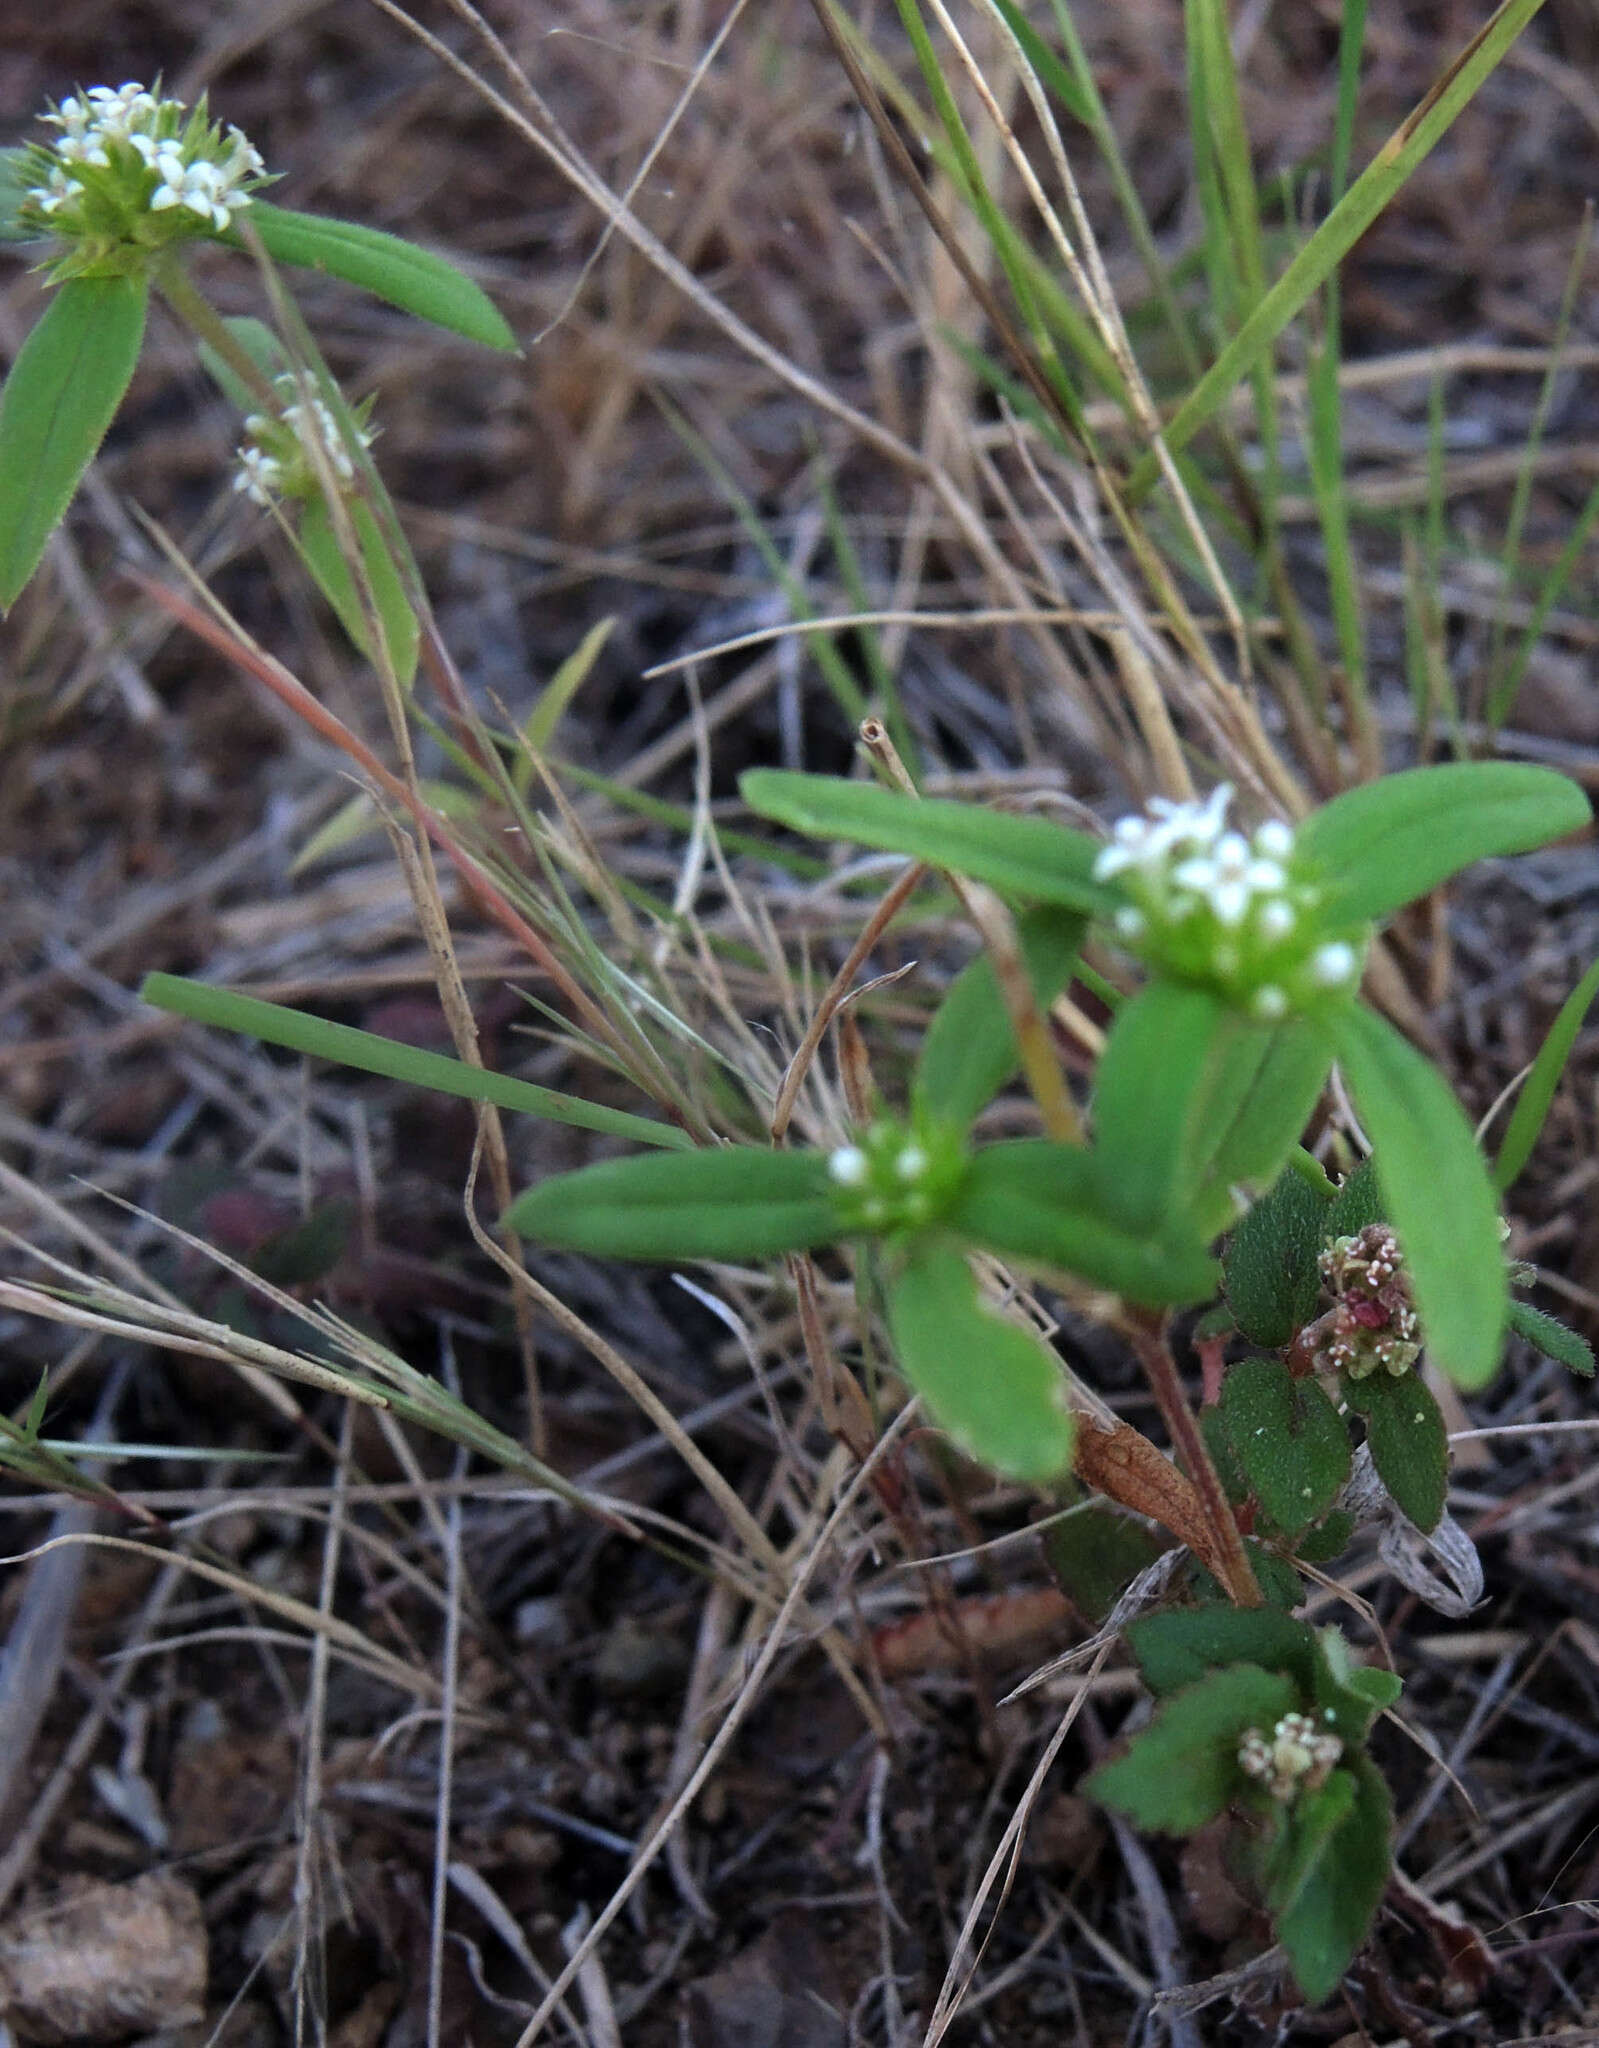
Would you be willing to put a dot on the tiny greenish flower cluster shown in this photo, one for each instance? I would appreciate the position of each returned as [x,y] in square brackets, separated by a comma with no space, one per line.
[1233,914]
[276,458]
[1297,1757]
[132,170]
[893,1180]
[1372,1325]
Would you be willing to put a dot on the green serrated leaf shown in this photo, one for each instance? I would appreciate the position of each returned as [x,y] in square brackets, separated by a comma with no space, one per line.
[372,1054]
[61,396]
[1409,1441]
[1384,843]
[970,1052]
[736,1202]
[1026,857]
[1095,1553]
[1436,1190]
[1538,1090]
[1289,1439]
[1182,1770]
[1044,1206]
[1338,1899]
[1270,1268]
[1347,1696]
[996,1388]
[1553,1338]
[398,272]
[324,559]
[1176,1648]
[1357,1203]
[1328,1541]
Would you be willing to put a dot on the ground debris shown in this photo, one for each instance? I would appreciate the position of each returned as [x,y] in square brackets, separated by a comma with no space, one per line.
[103,1961]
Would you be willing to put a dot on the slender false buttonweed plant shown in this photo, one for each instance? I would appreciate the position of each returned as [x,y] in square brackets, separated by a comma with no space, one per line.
[1252,941]
[128,185]
[1186,1190]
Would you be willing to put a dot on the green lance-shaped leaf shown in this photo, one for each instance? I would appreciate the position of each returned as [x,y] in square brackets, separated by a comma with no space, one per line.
[1538,1090]
[1553,1338]
[62,394]
[740,1202]
[1176,1648]
[995,1387]
[1044,1206]
[1153,1087]
[1436,1190]
[413,279]
[1026,857]
[970,1052]
[1311,1823]
[1270,1270]
[1382,844]
[1289,1439]
[1338,1897]
[324,558]
[1409,1441]
[1264,1093]
[346,1046]
[1182,1770]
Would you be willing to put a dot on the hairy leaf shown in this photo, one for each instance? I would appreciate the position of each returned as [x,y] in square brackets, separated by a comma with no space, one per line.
[398,272]
[1270,1269]
[1026,857]
[1436,1190]
[1289,1439]
[1409,1441]
[62,394]
[995,1387]
[1182,1770]
[1382,844]
[733,1202]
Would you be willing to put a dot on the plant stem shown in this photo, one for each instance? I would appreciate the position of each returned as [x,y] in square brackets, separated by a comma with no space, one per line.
[207,325]
[1040,1067]
[1160,1368]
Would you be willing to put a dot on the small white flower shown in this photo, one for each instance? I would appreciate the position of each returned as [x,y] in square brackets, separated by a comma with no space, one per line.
[1229,900]
[1130,923]
[911,1163]
[1265,877]
[1274,840]
[1332,965]
[847,1166]
[1277,918]
[1269,1003]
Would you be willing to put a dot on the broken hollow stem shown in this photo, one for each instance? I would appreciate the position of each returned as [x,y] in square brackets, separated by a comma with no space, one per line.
[1230,1560]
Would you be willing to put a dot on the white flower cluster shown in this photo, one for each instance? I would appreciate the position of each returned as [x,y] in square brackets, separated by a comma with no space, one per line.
[123,152]
[276,458]
[1299,1756]
[1213,906]
[893,1179]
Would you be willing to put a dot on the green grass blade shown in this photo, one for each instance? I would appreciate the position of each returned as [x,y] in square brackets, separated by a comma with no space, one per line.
[1538,1091]
[344,1046]
[1371,192]
[62,394]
